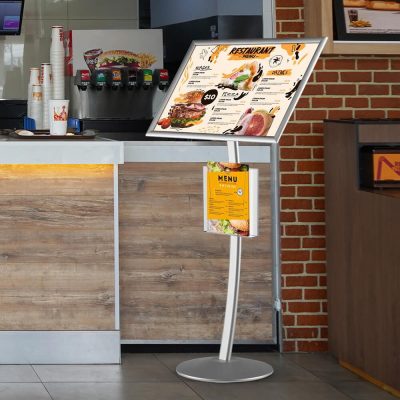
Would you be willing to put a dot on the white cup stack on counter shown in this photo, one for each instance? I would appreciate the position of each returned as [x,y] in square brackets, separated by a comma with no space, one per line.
[37,105]
[46,84]
[45,80]
[57,55]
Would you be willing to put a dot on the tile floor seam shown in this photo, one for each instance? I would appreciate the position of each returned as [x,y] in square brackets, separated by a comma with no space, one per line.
[180,378]
[42,383]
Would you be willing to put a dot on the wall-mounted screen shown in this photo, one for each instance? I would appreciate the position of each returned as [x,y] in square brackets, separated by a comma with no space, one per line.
[11,12]
[239,90]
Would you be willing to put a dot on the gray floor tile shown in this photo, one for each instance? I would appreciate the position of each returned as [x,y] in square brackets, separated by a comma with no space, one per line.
[284,370]
[134,368]
[314,361]
[17,373]
[324,366]
[23,391]
[362,391]
[266,390]
[121,391]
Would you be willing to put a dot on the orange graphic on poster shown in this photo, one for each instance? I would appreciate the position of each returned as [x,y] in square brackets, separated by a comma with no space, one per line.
[294,49]
[280,72]
[386,167]
[60,116]
[216,52]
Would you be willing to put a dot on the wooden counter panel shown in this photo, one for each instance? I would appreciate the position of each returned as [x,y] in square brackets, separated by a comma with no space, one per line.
[53,296]
[56,180]
[173,275]
[57,256]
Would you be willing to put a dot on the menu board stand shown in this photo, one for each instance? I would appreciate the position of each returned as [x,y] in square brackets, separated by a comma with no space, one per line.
[225,368]
[237,91]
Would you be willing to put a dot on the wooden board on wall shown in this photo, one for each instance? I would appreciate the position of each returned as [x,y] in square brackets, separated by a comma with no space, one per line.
[173,275]
[56,247]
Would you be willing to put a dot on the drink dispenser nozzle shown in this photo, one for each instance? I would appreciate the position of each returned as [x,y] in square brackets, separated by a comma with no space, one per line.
[118,76]
[132,79]
[161,79]
[101,78]
[82,79]
[145,78]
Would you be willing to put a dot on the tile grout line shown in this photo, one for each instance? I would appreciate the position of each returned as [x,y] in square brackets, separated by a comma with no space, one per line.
[180,378]
[40,379]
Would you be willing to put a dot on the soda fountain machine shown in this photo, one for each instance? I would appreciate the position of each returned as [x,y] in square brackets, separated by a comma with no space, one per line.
[118,102]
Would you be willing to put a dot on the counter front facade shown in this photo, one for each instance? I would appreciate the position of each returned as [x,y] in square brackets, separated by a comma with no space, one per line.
[59,268]
[106,247]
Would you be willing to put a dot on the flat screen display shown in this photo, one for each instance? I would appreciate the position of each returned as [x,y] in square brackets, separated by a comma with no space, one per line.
[11,16]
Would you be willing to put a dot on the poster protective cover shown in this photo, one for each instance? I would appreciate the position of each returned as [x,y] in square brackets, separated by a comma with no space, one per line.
[230,199]
[240,90]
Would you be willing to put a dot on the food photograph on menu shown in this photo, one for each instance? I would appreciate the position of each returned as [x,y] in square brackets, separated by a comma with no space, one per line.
[239,90]
[367,20]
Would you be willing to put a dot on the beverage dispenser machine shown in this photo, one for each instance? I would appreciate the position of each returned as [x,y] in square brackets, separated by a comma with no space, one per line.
[117,80]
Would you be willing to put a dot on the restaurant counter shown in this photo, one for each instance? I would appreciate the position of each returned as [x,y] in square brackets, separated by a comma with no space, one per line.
[103,244]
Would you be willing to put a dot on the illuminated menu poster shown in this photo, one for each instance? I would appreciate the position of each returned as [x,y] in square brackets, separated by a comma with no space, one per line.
[241,91]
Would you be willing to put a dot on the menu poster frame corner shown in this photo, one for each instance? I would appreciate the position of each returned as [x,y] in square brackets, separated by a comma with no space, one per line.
[240,70]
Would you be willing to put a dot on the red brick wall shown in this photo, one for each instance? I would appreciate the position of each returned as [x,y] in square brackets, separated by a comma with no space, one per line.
[340,87]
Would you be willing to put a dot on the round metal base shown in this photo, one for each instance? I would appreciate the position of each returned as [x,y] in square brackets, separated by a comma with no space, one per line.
[212,369]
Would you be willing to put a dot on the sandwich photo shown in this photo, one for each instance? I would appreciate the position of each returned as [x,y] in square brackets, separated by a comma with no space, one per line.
[113,58]
[243,77]
[185,115]
[230,227]
[186,112]
[215,166]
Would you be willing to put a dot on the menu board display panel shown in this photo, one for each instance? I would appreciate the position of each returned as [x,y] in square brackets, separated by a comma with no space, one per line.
[244,91]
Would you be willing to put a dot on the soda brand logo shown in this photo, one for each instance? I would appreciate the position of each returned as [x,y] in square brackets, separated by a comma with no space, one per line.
[224,178]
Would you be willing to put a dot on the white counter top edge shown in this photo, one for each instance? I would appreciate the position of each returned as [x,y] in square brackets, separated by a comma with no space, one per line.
[115,152]
[61,152]
[184,151]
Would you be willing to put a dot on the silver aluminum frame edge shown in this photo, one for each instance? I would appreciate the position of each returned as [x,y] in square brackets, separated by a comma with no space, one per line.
[219,137]
[116,250]
[276,247]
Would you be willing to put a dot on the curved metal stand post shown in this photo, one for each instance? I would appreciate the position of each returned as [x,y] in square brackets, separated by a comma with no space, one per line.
[225,369]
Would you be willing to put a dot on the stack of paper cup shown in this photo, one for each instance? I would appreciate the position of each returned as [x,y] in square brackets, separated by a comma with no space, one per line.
[37,105]
[34,79]
[57,54]
[45,80]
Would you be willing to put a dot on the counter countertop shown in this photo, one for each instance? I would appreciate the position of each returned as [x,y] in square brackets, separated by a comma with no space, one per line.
[98,151]
[106,151]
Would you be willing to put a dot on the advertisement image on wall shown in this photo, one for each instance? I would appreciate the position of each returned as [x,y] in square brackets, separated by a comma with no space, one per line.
[367,20]
[244,91]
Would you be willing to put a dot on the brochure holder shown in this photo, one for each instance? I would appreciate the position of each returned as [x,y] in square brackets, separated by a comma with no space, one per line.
[238,91]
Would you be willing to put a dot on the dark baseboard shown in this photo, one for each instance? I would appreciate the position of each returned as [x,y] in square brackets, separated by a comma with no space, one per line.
[195,348]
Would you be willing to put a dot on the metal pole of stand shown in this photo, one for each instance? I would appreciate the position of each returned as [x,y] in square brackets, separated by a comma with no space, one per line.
[235,254]
[225,368]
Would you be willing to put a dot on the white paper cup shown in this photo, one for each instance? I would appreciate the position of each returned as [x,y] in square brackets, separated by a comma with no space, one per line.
[57,37]
[45,74]
[58,113]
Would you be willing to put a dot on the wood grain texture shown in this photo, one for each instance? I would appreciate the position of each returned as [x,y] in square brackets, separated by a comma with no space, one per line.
[362,260]
[56,247]
[173,275]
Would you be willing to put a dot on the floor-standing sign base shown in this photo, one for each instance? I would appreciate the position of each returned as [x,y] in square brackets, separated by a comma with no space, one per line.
[212,369]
